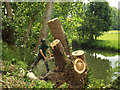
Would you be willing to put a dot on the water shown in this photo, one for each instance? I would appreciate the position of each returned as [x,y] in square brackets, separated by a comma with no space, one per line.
[102,63]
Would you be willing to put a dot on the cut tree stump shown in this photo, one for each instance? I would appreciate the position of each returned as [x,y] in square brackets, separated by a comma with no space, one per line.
[59,53]
[72,73]
[78,54]
[79,66]
[58,33]
[72,70]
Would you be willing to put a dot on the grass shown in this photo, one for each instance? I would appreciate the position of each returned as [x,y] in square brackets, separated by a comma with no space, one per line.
[107,41]
[111,35]
[110,39]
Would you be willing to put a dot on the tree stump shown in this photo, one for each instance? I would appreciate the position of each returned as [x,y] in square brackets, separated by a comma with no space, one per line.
[59,53]
[69,72]
[78,54]
[58,33]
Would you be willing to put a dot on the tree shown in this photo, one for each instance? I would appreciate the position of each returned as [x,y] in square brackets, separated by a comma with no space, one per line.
[28,21]
[98,19]
[8,32]
[47,17]
[114,18]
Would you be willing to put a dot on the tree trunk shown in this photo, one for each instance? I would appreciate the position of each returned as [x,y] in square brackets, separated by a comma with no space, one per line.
[9,10]
[78,54]
[91,36]
[8,32]
[58,33]
[43,33]
[59,53]
[28,30]
[72,72]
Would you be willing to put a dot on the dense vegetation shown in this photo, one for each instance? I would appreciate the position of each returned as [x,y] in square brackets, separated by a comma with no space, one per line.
[84,25]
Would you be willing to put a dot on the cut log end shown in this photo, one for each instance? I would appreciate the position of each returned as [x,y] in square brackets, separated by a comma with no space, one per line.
[79,66]
[54,43]
[53,20]
[78,53]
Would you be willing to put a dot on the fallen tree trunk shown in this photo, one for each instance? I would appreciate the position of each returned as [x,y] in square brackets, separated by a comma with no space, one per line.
[58,33]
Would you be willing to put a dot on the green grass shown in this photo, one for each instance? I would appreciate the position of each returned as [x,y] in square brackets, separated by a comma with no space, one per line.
[111,36]
[110,39]
[107,41]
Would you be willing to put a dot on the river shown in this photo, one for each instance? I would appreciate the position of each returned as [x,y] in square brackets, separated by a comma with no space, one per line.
[102,63]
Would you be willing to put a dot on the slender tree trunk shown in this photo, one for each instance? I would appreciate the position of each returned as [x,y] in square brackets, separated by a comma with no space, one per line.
[28,30]
[47,17]
[91,36]
[9,10]
[95,37]
[8,32]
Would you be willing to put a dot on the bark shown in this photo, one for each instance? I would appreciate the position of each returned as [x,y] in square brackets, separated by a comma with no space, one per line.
[58,33]
[59,53]
[72,72]
[9,10]
[47,17]
[8,32]
[28,30]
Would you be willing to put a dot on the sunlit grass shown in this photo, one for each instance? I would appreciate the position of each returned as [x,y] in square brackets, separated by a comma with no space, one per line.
[111,38]
[111,35]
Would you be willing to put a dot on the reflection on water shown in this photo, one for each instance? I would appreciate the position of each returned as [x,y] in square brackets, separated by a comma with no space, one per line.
[113,59]
[100,63]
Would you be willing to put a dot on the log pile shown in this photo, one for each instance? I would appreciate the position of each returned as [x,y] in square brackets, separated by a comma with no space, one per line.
[70,70]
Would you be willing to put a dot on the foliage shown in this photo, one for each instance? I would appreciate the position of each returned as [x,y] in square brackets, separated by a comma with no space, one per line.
[81,22]
[64,85]
[114,19]
[96,20]
[10,74]
[104,42]
[20,56]
[93,82]
[116,82]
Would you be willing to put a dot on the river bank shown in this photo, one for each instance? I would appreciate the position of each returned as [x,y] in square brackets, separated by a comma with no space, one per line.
[108,41]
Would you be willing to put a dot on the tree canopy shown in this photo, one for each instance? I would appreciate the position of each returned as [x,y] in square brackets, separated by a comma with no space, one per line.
[79,20]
